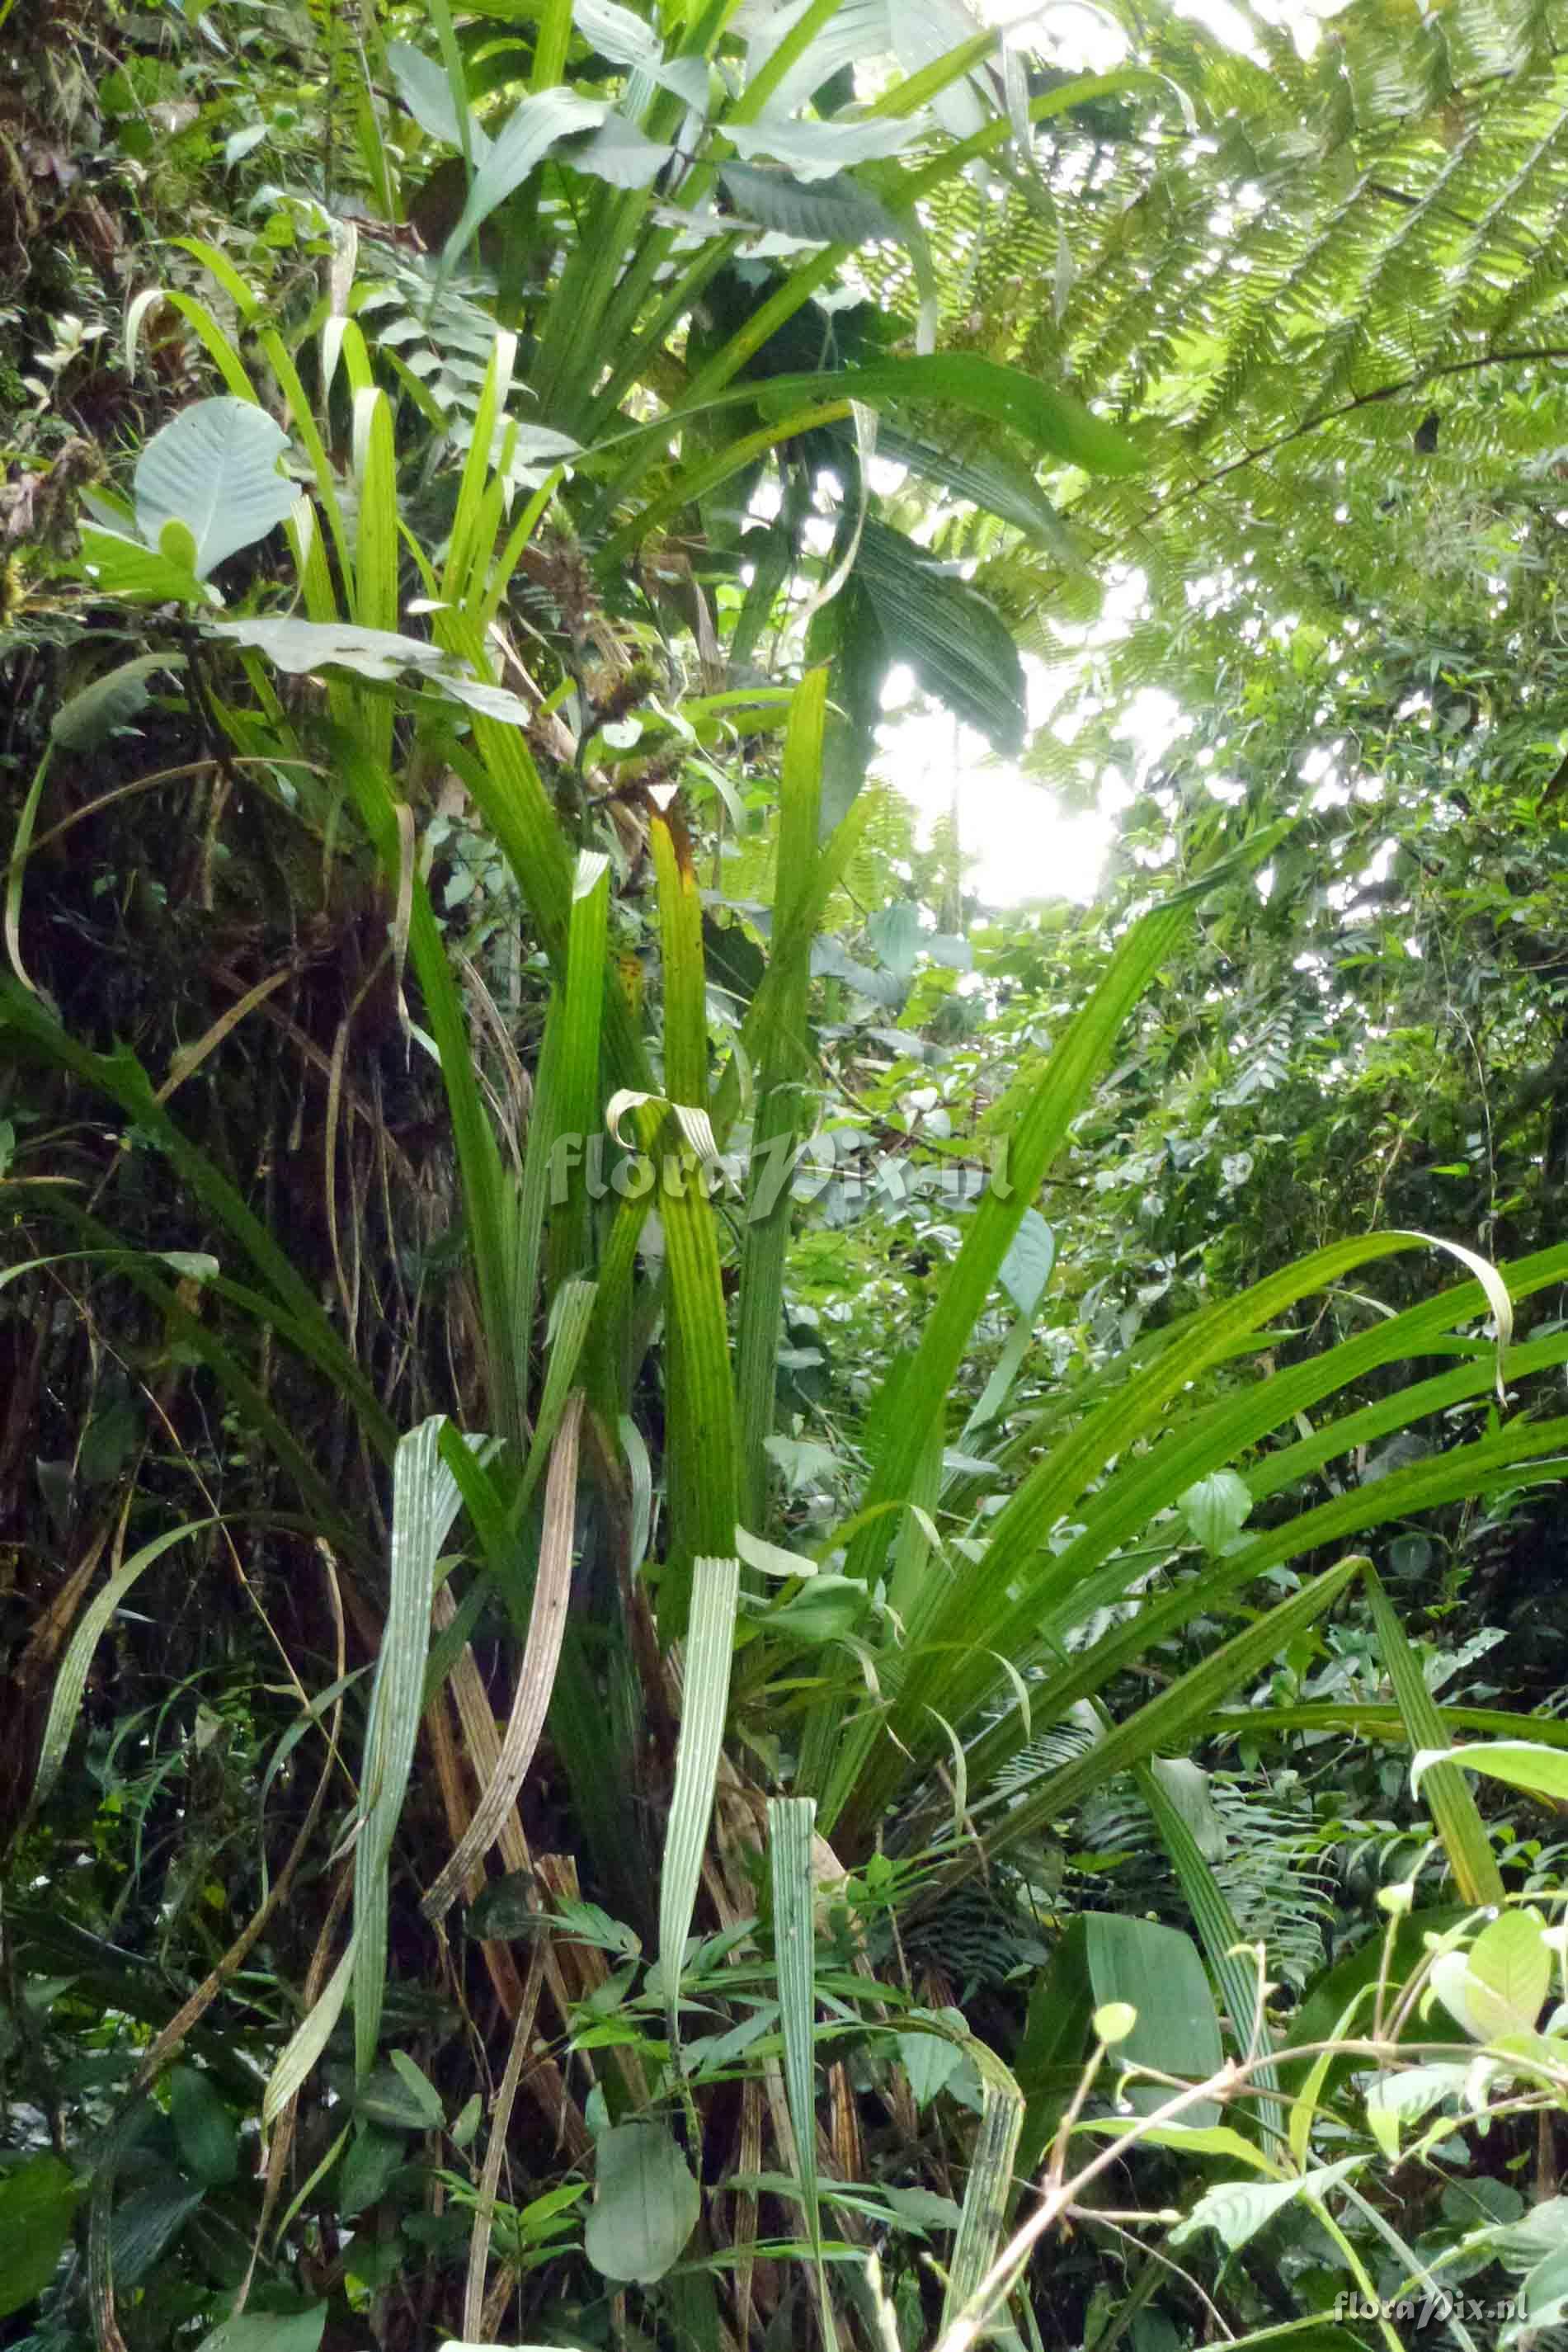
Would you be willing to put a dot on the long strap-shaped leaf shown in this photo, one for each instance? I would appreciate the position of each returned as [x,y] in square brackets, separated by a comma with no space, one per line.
[1232,1969]
[1447,1793]
[710,1647]
[578,1099]
[536,1676]
[701,1455]
[1166,1723]
[1468,1470]
[948,1666]
[833,1753]
[121,1076]
[424,1504]
[791,1826]
[780,1116]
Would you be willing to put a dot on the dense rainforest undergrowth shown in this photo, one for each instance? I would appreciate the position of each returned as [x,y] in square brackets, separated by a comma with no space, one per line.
[747,1604]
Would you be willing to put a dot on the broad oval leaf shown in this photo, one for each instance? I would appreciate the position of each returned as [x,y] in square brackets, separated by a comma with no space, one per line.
[1216,1509]
[647,2205]
[204,2127]
[299,647]
[213,468]
[929,2060]
[1026,1269]
[36,2202]
[1238,2209]
[1157,1971]
[423,85]
[622,153]
[1499,1985]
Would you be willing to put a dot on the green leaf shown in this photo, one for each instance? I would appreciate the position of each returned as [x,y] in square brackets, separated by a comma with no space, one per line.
[780,1112]
[269,2331]
[374,2158]
[123,567]
[710,1647]
[621,153]
[958,645]
[213,468]
[1396,2099]
[929,2060]
[71,1680]
[1544,2293]
[420,2088]
[993,477]
[1046,420]
[838,211]
[424,1504]
[1499,1985]
[791,1833]
[646,2207]
[389,2098]
[37,2200]
[529,133]
[1026,1269]
[1238,2209]
[1447,1793]
[904,1415]
[1543,1772]
[206,2132]
[1216,1508]
[822,149]
[1156,1971]
[299,646]
[424,88]
[85,719]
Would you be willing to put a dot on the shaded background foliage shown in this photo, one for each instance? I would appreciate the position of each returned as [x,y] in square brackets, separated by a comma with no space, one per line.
[1320,293]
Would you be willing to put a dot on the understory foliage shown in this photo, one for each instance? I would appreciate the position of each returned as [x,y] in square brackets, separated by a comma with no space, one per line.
[745,1605]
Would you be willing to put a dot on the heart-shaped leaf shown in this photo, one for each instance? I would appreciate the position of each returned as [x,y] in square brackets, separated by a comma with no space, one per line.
[214,470]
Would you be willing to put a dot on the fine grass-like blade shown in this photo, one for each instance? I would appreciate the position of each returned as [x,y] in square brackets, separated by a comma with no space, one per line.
[779,1120]
[71,1680]
[791,1824]
[120,1076]
[710,1644]
[1447,1793]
